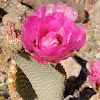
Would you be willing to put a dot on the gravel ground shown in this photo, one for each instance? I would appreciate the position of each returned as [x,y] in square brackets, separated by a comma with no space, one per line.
[79,88]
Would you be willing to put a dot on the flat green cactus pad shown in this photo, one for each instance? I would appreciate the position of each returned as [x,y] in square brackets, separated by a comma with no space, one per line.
[47,82]
[13,47]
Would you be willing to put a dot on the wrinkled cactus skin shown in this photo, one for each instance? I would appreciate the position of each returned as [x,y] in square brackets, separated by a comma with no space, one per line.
[13,47]
[47,82]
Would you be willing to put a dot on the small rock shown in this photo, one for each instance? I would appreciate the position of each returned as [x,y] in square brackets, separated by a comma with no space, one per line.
[24,8]
[95,97]
[88,66]
[72,68]
[98,55]
[68,97]
[96,31]
[88,26]
[0,42]
[91,11]
[98,42]
[5,0]
[77,1]
[4,87]
[4,94]
[3,76]
[0,33]
[76,93]
[14,17]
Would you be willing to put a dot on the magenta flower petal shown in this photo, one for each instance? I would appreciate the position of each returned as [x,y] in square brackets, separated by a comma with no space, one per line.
[51,34]
[70,12]
[40,11]
[95,74]
[54,22]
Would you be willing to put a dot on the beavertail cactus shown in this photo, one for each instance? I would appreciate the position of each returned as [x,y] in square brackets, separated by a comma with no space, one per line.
[51,34]
[47,82]
[12,39]
[95,75]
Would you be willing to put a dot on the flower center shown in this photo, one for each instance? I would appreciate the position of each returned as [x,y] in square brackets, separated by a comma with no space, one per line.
[34,42]
[59,40]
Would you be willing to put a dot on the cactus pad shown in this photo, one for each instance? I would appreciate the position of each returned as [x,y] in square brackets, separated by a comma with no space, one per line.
[12,39]
[47,82]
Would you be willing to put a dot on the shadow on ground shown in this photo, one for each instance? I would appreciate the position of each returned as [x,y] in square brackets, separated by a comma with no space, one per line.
[2,13]
[74,85]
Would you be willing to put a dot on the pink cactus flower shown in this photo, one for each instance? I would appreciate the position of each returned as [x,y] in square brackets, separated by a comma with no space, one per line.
[95,74]
[51,34]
